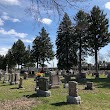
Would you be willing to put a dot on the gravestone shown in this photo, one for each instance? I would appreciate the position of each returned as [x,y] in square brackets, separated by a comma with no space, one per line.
[89,86]
[43,88]
[83,75]
[12,81]
[0,76]
[25,75]
[17,77]
[7,68]
[6,78]
[9,77]
[21,83]
[54,81]
[73,97]
[108,74]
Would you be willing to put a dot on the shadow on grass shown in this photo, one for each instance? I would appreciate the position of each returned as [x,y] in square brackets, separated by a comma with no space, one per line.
[14,88]
[98,82]
[4,85]
[101,82]
[31,96]
[59,103]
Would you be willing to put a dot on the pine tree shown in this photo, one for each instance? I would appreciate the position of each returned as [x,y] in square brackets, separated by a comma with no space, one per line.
[99,35]
[66,44]
[42,48]
[81,33]
[18,51]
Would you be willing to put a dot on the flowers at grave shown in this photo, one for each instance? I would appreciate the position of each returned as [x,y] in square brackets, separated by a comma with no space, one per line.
[39,74]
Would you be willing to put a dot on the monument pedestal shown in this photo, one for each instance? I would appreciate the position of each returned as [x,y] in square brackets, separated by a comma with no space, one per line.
[43,93]
[73,100]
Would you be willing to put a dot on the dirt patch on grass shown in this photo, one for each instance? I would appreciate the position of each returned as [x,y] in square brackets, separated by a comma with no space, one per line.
[19,104]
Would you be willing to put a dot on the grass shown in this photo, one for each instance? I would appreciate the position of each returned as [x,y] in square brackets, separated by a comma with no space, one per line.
[97,99]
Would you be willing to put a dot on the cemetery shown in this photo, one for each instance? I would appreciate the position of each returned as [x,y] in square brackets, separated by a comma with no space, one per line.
[60,65]
[79,95]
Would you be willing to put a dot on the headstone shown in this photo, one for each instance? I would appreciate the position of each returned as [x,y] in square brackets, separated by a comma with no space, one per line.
[25,75]
[73,97]
[89,86]
[54,81]
[7,68]
[108,74]
[17,77]
[0,76]
[6,78]
[21,83]
[12,82]
[83,75]
[9,77]
[43,88]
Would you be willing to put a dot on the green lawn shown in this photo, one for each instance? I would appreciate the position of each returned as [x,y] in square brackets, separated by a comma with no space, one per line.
[97,99]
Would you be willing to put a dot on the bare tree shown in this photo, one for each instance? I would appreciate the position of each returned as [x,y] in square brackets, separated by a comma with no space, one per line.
[37,7]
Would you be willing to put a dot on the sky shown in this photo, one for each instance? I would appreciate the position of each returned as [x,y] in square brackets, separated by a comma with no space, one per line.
[17,23]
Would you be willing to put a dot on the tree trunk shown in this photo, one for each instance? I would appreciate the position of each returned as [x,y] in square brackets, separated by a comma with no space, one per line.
[80,56]
[67,69]
[96,63]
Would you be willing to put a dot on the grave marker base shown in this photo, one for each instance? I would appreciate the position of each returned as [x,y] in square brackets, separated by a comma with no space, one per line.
[43,93]
[73,100]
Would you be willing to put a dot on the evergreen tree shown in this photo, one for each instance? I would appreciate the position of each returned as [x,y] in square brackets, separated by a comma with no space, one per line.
[66,44]
[81,32]
[10,60]
[99,35]
[18,51]
[2,62]
[42,48]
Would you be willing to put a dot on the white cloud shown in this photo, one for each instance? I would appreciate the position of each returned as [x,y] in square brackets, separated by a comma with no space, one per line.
[3,51]
[107,5]
[45,21]
[6,17]
[12,32]
[1,22]
[10,2]
[16,20]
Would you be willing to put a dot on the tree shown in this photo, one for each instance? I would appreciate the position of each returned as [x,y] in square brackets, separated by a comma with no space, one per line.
[42,48]
[55,6]
[81,31]
[99,35]
[66,44]
[18,51]
[2,62]
[10,60]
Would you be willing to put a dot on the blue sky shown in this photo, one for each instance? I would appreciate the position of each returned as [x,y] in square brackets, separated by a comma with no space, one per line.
[16,23]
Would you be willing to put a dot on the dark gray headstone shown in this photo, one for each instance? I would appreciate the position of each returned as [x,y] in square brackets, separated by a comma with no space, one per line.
[43,84]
